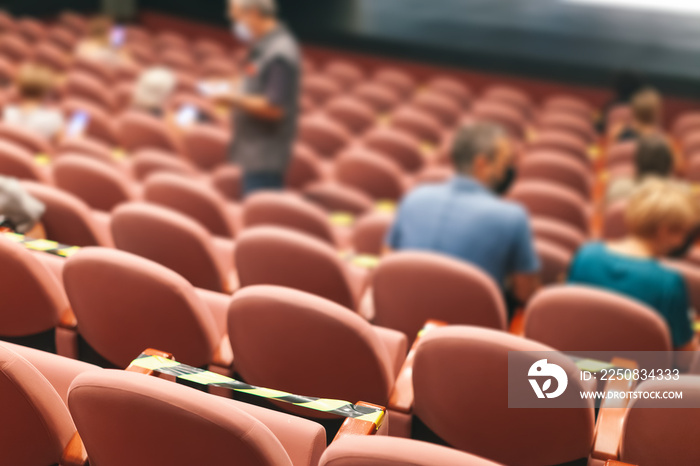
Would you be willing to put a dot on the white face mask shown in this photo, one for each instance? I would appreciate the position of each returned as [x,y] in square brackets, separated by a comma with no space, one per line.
[242,32]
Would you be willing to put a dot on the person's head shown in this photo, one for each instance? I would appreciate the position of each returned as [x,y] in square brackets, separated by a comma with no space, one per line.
[626,84]
[662,213]
[153,89]
[35,82]
[99,29]
[252,19]
[482,151]
[653,157]
[647,107]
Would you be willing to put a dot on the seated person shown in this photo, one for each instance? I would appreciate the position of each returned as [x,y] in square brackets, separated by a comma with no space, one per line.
[659,217]
[98,45]
[647,110]
[35,84]
[463,218]
[653,159]
[152,91]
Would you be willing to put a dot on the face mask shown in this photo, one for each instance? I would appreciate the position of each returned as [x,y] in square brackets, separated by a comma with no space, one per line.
[242,32]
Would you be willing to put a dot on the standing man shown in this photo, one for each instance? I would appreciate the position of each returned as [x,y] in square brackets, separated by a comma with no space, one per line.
[265,107]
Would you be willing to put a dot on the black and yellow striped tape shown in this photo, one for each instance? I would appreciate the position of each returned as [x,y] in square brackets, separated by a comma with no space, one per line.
[200,376]
[43,245]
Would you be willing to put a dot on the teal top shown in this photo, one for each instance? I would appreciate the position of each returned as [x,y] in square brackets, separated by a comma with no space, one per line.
[646,280]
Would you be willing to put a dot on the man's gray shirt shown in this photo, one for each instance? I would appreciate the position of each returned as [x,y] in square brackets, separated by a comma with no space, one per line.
[272,70]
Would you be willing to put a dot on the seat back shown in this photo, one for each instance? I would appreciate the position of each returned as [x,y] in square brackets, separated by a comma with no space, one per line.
[472,414]
[380,97]
[556,168]
[670,422]
[145,162]
[38,425]
[377,450]
[398,146]
[336,343]
[206,145]
[25,138]
[369,233]
[17,162]
[551,201]
[198,201]
[101,123]
[279,256]
[453,88]
[323,135]
[289,211]
[410,288]
[139,130]
[87,85]
[170,239]
[559,233]
[562,141]
[147,411]
[125,304]
[335,197]
[32,298]
[67,219]
[304,168]
[355,115]
[614,224]
[578,318]
[92,181]
[396,79]
[371,173]
[554,261]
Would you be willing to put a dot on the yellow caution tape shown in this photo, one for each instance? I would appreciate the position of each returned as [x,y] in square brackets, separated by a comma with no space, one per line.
[43,245]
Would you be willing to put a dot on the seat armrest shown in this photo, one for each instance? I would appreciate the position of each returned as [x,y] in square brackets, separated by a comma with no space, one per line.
[401,398]
[606,444]
[149,352]
[356,426]
[74,454]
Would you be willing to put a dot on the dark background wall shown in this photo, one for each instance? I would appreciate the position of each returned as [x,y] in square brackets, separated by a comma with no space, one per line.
[549,39]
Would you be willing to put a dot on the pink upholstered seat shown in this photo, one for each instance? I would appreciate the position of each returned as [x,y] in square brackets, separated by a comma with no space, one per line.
[614,225]
[452,88]
[557,232]
[289,211]
[94,182]
[15,48]
[86,86]
[25,138]
[503,114]
[52,56]
[139,130]
[320,88]
[558,169]
[511,96]
[554,261]
[101,123]
[359,450]
[622,153]
[398,80]
[359,362]
[418,123]
[472,414]
[305,168]
[196,200]
[354,114]
[206,145]
[323,135]
[38,426]
[284,257]
[125,304]
[88,147]
[561,141]
[15,161]
[68,220]
[439,105]
[31,29]
[577,318]
[670,423]
[63,37]
[345,73]
[369,233]
[175,241]
[146,162]
[552,201]
[398,146]
[570,123]
[335,197]
[147,411]
[569,104]
[410,288]
[33,299]
[377,176]
[380,97]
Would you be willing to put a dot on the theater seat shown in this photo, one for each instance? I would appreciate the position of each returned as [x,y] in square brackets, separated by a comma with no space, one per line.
[177,242]
[323,135]
[354,114]
[371,173]
[125,303]
[139,130]
[369,233]
[38,426]
[334,197]
[359,362]
[17,162]
[471,412]
[279,256]
[153,421]
[452,88]
[554,261]
[397,146]
[410,288]
[392,451]
[559,233]
[543,199]
[578,318]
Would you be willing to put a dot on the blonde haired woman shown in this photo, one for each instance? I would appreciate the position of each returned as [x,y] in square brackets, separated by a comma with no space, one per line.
[659,217]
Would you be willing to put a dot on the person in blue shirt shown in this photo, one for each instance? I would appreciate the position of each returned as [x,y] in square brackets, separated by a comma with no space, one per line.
[464,219]
[659,216]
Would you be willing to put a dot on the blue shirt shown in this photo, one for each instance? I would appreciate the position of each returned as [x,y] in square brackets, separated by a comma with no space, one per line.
[463,219]
[646,280]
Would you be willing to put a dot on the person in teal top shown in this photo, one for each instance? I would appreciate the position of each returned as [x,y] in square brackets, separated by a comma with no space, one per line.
[659,216]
